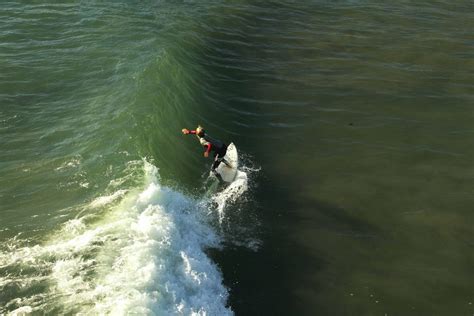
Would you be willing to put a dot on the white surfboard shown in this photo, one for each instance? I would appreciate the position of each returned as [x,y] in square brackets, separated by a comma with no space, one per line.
[228,172]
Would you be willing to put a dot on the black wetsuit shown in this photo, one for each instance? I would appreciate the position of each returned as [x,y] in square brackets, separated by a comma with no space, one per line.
[215,145]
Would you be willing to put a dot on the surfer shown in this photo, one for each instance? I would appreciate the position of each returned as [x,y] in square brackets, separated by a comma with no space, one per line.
[210,144]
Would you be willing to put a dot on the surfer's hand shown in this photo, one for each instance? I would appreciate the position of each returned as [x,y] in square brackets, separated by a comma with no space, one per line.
[185,131]
[206,154]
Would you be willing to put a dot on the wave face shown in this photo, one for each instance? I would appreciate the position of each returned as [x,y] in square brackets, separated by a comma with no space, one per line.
[145,255]
[91,93]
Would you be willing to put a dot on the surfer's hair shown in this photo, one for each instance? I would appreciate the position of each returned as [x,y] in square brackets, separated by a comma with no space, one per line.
[200,131]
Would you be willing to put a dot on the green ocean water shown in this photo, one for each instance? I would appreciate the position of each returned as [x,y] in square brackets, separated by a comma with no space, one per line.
[353,120]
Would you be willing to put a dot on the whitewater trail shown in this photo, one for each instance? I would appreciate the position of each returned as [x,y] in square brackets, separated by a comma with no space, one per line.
[230,194]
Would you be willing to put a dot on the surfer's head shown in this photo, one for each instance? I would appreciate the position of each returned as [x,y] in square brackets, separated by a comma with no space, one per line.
[200,131]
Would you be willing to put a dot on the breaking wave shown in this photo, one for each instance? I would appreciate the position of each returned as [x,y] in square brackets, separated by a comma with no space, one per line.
[145,255]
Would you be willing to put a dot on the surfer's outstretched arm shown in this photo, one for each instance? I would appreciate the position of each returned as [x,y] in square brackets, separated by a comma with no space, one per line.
[187,131]
[206,145]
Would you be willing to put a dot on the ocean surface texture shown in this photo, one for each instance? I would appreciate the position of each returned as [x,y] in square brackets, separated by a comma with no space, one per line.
[354,122]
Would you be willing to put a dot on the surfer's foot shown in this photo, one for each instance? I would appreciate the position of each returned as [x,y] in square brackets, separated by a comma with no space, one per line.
[218,176]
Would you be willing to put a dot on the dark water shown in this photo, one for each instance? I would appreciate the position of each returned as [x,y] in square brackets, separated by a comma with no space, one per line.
[353,119]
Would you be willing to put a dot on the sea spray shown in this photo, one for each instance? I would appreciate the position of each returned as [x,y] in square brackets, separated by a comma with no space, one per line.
[230,194]
[220,198]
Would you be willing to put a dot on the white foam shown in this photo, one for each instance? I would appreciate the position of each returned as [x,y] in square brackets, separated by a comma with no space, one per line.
[107,199]
[73,163]
[146,256]
[22,311]
[231,193]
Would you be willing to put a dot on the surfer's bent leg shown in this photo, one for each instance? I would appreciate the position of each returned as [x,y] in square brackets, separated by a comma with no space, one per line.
[222,155]
[214,171]
[218,158]
[216,163]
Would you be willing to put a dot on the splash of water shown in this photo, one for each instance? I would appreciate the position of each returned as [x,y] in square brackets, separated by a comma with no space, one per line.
[230,194]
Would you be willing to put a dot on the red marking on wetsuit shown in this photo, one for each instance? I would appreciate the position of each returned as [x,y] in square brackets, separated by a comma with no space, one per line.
[208,145]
